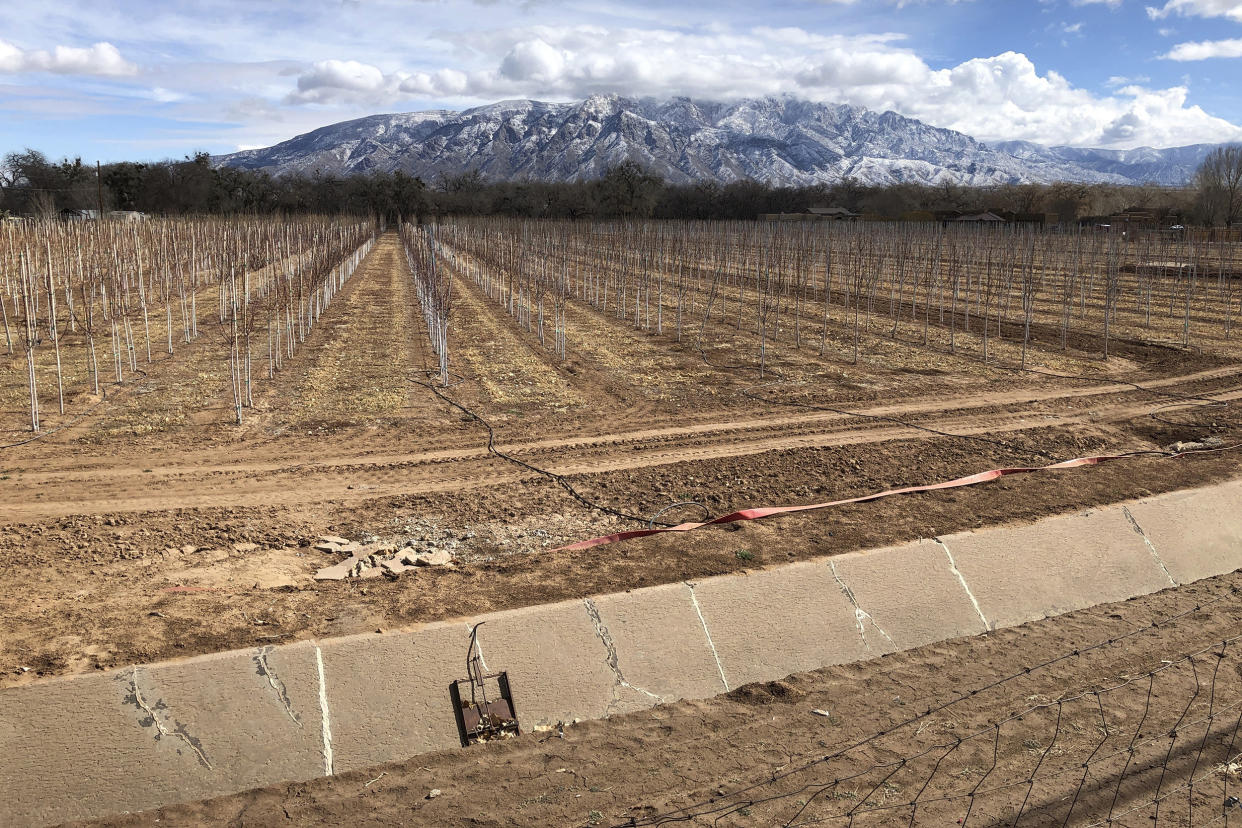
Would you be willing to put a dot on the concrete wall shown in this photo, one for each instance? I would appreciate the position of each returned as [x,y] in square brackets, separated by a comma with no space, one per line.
[93,745]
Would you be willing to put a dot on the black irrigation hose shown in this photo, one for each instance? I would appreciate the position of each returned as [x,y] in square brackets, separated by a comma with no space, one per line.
[560,480]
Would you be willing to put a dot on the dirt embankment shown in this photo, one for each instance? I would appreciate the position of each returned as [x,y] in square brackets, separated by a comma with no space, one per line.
[898,730]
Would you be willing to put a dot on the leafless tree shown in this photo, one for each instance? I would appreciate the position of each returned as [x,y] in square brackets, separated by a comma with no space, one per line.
[1219,181]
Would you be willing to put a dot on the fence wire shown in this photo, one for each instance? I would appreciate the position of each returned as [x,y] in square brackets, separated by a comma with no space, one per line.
[1159,745]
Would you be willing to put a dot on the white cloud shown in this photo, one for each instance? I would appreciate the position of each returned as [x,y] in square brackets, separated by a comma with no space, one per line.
[533,60]
[993,98]
[99,59]
[1205,50]
[329,80]
[259,72]
[161,95]
[1231,9]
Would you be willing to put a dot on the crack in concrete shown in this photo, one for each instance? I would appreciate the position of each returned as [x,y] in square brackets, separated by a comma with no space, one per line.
[1125,510]
[694,600]
[612,660]
[962,580]
[263,668]
[154,711]
[323,714]
[861,616]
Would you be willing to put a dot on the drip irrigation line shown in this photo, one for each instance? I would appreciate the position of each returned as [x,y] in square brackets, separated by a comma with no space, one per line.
[783,380]
[749,392]
[81,414]
[651,523]
[146,378]
[560,480]
[1184,400]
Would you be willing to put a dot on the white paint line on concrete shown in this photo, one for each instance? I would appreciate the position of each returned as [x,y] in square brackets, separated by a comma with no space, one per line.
[860,615]
[323,714]
[694,599]
[612,659]
[1125,510]
[961,580]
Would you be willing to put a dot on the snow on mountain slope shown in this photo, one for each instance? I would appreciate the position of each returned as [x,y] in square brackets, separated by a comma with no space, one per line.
[1173,167]
[779,141]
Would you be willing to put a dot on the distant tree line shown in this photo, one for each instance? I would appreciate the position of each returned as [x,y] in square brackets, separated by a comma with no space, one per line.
[31,184]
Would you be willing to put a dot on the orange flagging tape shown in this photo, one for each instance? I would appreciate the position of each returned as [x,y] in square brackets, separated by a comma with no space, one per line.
[769,511]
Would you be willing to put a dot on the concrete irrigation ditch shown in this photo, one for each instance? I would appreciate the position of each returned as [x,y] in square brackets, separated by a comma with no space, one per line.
[150,735]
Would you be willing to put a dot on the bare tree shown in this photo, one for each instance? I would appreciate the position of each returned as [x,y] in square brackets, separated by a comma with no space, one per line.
[1219,181]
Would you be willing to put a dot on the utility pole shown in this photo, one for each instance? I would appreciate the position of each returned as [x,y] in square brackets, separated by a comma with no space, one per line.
[99,189]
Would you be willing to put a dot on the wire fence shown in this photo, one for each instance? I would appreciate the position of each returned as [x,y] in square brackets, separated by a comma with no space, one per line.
[1157,745]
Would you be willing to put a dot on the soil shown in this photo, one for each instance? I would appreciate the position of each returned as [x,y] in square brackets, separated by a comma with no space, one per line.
[145,526]
[1107,709]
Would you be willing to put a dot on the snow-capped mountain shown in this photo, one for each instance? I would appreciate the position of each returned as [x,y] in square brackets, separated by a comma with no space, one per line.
[1174,166]
[779,141]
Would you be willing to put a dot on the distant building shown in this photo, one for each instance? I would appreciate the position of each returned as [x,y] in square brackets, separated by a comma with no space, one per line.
[813,214]
[127,215]
[995,215]
[785,217]
[74,214]
[833,213]
[1034,219]
[1138,221]
[1134,218]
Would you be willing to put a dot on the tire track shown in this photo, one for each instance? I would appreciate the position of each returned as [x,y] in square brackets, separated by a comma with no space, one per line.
[475,470]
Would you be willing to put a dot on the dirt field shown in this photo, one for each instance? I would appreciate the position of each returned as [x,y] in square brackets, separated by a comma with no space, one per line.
[960,728]
[149,527]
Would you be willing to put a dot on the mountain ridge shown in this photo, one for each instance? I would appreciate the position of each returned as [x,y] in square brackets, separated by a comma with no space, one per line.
[777,141]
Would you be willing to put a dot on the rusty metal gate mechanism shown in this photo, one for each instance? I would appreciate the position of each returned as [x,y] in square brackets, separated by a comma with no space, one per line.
[489,714]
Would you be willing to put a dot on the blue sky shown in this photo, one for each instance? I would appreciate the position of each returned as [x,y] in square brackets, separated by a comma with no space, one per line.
[145,79]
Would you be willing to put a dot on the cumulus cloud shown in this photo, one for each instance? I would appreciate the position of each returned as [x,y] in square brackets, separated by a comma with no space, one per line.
[1231,9]
[99,59]
[533,60]
[330,80]
[1206,49]
[1005,97]
[1001,97]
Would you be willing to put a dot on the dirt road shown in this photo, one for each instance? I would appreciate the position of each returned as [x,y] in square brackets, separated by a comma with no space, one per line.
[223,477]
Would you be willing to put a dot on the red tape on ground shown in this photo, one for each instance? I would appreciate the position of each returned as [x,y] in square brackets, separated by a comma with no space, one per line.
[769,511]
